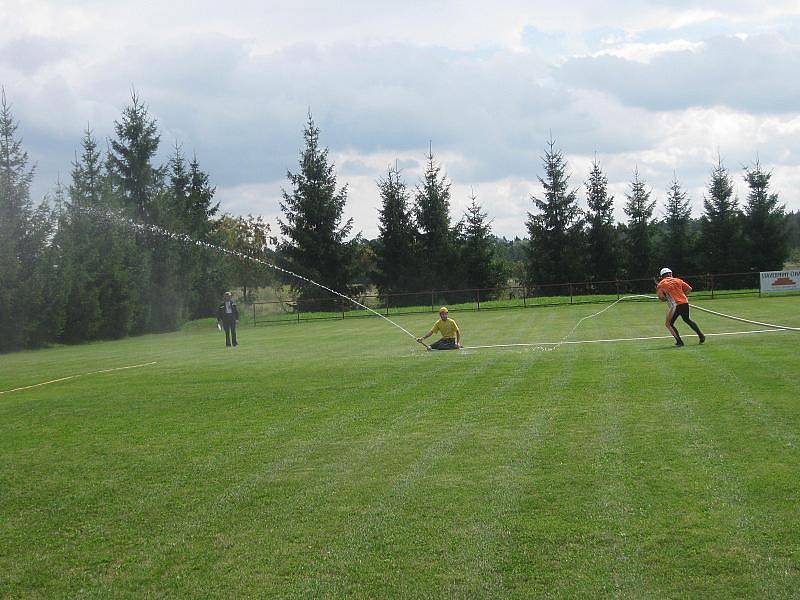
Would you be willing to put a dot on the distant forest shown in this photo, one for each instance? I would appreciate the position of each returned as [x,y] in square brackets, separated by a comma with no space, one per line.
[91,260]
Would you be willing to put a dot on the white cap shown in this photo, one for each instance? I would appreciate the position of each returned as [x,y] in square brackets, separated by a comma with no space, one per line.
[665,270]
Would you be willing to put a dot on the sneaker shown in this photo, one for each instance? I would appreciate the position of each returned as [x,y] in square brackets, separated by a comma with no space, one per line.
[702,338]
[679,344]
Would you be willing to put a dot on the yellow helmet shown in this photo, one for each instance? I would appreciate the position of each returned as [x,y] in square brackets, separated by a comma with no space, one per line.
[443,309]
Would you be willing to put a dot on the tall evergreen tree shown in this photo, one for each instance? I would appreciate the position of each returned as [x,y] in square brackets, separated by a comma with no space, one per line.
[721,243]
[678,244]
[479,265]
[556,240]
[138,184]
[639,230]
[207,276]
[105,272]
[16,215]
[44,285]
[84,246]
[86,188]
[396,249]
[131,159]
[177,188]
[602,262]
[201,207]
[764,222]
[435,236]
[30,295]
[315,241]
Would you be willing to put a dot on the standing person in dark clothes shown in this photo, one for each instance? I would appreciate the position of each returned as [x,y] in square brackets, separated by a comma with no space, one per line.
[673,291]
[228,315]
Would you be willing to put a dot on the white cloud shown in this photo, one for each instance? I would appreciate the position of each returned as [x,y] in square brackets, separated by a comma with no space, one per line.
[693,17]
[645,53]
[755,74]
[648,84]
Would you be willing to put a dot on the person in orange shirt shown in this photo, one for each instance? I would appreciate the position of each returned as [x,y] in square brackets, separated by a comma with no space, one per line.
[673,291]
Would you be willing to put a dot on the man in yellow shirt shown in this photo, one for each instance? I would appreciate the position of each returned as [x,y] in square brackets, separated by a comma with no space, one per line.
[451,336]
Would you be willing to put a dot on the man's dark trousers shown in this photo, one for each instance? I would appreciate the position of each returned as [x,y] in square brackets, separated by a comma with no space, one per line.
[229,325]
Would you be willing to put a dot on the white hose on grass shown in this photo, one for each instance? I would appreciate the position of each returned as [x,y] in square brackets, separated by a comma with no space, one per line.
[564,340]
[35,385]
[719,314]
[553,345]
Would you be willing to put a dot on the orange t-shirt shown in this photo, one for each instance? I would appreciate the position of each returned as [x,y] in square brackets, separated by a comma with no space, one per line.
[674,289]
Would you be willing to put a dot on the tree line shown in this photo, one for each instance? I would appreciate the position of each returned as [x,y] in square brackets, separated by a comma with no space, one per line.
[421,247]
[73,268]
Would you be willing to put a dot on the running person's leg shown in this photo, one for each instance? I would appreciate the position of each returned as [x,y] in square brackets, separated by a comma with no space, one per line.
[672,314]
[684,313]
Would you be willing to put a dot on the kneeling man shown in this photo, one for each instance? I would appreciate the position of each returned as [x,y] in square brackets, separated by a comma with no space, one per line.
[451,336]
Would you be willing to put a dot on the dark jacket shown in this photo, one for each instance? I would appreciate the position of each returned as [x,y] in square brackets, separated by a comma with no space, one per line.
[223,316]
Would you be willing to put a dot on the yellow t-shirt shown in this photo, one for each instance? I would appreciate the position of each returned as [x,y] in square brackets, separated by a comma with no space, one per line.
[447,328]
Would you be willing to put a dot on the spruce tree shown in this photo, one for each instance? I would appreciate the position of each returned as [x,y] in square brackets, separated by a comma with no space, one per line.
[396,249]
[131,159]
[600,232]
[434,234]
[16,214]
[556,236]
[639,230]
[41,319]
[84,246]
[201,207]
[721,243]
[480,267]
[765,224]
[315,241]
[86,188]
[207,276]
[138,185]
[677,247]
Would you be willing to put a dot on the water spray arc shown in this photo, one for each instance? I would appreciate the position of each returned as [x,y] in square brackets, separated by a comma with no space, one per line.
[186,239]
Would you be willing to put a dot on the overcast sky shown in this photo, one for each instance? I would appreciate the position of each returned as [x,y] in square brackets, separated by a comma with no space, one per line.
[660,85]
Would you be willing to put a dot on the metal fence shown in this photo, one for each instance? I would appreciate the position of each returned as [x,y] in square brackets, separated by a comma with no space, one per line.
[330,306]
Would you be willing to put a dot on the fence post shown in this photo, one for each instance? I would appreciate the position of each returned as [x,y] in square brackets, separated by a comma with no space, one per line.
[388,299]
[524,297]
[254,314]
[570,293]
[711,278]
[431,300]
[616,284]
[478,297]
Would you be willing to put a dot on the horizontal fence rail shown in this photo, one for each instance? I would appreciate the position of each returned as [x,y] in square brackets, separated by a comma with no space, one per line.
[297,309]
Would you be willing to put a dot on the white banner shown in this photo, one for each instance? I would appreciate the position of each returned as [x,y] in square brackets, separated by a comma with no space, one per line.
[780,281]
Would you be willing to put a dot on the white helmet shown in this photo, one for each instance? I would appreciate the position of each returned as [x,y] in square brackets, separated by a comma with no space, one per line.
[665,271]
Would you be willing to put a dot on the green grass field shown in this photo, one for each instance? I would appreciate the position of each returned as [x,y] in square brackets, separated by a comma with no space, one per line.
[339,459]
